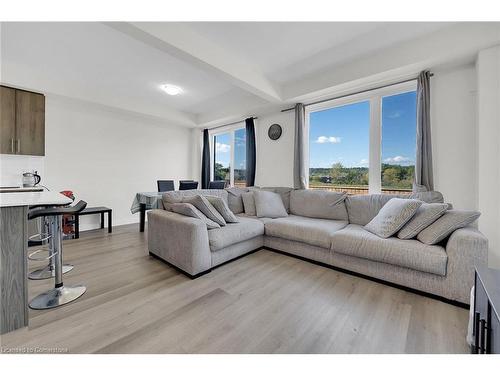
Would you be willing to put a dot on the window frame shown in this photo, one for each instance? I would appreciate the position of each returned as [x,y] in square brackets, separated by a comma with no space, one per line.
[374,97]
[220,131]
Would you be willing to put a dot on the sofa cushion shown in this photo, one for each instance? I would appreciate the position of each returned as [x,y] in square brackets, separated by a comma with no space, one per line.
[233,233]
[447,224]
[269,204]
[391,218]
[187,209]
[317,232]
[318,204]
[354,240]
[284,192]
[177,196]
[222,207]
[234,199]
[249,203]
[202,204]
[428,196]
[364,207]
[426,214]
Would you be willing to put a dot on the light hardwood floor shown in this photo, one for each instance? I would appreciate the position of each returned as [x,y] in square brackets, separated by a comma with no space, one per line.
[262,303]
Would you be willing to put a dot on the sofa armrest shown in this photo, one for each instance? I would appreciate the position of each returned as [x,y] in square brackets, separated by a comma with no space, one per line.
[466,248]
[180,240]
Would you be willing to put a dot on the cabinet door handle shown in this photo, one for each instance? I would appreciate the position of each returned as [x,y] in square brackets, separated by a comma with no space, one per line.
[18,145]
[477,317]
[12,145]
[482,331]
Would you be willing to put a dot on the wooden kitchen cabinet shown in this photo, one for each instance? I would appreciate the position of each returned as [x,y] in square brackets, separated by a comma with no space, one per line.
[7,120]
[22,122]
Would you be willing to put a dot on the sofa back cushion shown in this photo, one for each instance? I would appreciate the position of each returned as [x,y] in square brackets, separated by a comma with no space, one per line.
[234,199]
[318,204]
[363,208]
[170,197]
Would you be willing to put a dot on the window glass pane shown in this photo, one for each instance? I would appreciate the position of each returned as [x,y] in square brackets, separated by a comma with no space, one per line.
[240,157]
[222,157]
[339,148]
[398,142]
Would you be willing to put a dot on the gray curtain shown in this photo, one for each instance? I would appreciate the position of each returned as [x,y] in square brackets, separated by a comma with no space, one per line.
[424,179]
[299,160]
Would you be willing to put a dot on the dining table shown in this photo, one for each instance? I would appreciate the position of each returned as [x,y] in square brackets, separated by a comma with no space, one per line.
[144,201]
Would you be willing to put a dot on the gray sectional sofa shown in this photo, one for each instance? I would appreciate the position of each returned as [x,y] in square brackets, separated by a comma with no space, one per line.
[316,231]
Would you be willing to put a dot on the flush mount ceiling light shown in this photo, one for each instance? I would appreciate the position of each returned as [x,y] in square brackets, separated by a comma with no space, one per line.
[171,89]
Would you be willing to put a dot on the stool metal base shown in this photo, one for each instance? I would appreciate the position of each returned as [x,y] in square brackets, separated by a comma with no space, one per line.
[57,297]
[47,273]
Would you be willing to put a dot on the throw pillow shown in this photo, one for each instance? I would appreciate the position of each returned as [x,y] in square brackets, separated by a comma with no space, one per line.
[392,216]
[426,214]
[222,207]
[202,204]
[234,199]
[187,209]
[447,224]
[269,204]
[249,203]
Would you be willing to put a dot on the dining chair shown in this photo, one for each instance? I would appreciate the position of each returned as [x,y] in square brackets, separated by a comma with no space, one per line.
[220,184]
[188,185]
[165,185]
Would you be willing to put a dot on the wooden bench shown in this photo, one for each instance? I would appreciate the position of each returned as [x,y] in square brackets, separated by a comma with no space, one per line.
[93,211]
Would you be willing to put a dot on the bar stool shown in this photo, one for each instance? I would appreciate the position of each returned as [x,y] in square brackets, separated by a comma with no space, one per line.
[60,294]
[45,235]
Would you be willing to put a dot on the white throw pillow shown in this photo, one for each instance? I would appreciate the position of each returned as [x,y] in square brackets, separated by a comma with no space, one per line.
[249,203]
[392,216]
[269,204]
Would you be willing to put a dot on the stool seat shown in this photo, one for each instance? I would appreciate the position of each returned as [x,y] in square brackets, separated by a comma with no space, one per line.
[60,294]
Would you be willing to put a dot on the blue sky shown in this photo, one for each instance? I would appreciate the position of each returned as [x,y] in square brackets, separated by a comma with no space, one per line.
[341,134]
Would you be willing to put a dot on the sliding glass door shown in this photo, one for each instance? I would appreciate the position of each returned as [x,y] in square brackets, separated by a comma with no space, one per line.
[229,157]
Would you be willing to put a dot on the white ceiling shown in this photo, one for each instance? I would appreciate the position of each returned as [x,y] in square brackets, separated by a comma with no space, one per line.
[225,69]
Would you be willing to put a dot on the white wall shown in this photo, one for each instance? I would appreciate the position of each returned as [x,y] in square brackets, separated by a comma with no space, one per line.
[488,79]
[275,158]
[454,135]
[105,156]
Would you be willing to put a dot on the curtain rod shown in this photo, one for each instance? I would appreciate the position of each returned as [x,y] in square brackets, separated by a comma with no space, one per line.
[354,93]
[231,123]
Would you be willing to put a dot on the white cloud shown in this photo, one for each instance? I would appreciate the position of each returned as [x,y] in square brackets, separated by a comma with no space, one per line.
[397,160]
[222,147]
[325,139]
[363,162]
[395,114]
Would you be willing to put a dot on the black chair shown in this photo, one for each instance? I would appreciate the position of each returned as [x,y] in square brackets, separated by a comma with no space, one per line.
[165,185]
[60,294]
[221,184]
[188,185]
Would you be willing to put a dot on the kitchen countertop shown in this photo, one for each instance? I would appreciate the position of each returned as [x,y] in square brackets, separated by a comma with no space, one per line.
[33,199]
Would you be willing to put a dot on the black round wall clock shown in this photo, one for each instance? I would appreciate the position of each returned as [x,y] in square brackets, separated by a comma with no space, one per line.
[274,132]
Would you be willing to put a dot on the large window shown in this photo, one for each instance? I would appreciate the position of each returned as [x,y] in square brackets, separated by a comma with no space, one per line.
[398,140]
[339,147]
[364,143]
[229,157]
